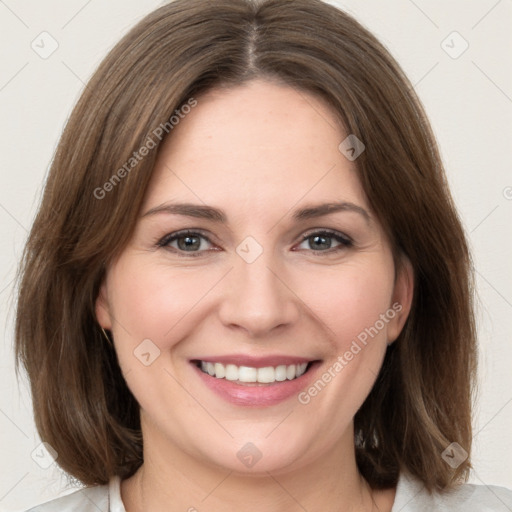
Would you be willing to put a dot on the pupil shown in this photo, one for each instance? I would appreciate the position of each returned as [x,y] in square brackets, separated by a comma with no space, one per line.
[321,239]
[189,242]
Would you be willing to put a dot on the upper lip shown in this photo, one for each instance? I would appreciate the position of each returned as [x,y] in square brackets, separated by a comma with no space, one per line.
[253,361]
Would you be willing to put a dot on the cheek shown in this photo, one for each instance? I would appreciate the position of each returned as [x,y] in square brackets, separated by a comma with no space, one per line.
[149,300]
[155,302]
[350,300]
[159,304]
[351,303]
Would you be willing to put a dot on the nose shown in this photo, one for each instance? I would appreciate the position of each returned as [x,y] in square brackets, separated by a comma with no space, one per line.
[257,299]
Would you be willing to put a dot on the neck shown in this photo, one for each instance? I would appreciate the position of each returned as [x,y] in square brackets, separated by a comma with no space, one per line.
[172,480]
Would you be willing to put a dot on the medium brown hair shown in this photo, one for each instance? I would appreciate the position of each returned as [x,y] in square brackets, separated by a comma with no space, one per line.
[422,399]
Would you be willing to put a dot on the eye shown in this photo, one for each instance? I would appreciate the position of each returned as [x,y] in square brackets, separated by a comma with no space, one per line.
[322,241]
[192,242]
[195,243]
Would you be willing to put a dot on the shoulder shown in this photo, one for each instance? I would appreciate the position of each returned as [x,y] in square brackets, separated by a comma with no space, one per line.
[411,496]
[89,499]
[100,498]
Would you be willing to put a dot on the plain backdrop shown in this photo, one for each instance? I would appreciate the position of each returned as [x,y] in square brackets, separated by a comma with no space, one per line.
[467,93]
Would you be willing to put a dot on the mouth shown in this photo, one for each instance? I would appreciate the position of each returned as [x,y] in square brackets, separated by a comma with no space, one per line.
[251,375]
[255,382]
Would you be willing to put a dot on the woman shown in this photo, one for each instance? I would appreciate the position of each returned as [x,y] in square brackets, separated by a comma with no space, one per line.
[247,284]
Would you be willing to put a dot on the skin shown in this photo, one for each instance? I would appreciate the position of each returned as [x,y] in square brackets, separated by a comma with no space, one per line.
[259,152]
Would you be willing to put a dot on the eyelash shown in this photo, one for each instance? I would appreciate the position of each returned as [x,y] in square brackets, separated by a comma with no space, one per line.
[345,241]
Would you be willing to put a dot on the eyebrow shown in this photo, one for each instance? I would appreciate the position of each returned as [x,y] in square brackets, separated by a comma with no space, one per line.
[218,215]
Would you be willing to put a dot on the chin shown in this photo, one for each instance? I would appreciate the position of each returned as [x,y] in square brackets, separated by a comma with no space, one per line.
[259,454]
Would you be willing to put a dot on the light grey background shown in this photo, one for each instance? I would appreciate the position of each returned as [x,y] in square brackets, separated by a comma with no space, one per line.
[469,102]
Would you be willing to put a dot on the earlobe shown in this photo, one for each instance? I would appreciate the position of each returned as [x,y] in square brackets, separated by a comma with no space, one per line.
[402,299]
[102,309]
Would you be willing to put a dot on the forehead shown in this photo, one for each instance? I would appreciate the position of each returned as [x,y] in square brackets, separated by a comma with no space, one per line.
[256,145]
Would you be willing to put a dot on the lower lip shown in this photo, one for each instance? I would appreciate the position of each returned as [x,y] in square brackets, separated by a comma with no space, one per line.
[257,395]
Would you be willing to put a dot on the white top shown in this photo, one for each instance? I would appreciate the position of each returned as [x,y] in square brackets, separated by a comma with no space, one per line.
[410,497]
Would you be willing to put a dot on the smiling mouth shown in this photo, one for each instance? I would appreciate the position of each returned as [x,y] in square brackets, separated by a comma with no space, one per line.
[247,375]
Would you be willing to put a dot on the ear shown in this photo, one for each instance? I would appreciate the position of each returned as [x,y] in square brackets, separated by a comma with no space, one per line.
[402,298]
[102,308]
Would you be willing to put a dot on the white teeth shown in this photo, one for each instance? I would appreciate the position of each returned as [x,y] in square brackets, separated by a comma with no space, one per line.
[220,371]
[281,372]
[231,372]
[265,375]
[247,374]
[290,372]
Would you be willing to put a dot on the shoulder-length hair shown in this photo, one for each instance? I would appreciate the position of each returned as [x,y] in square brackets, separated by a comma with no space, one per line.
[423,396]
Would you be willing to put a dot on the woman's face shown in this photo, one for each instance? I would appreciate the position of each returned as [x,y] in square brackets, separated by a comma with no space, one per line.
[266,283]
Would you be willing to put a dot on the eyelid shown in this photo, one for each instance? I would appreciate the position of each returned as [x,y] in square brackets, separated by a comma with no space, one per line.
[326,231]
